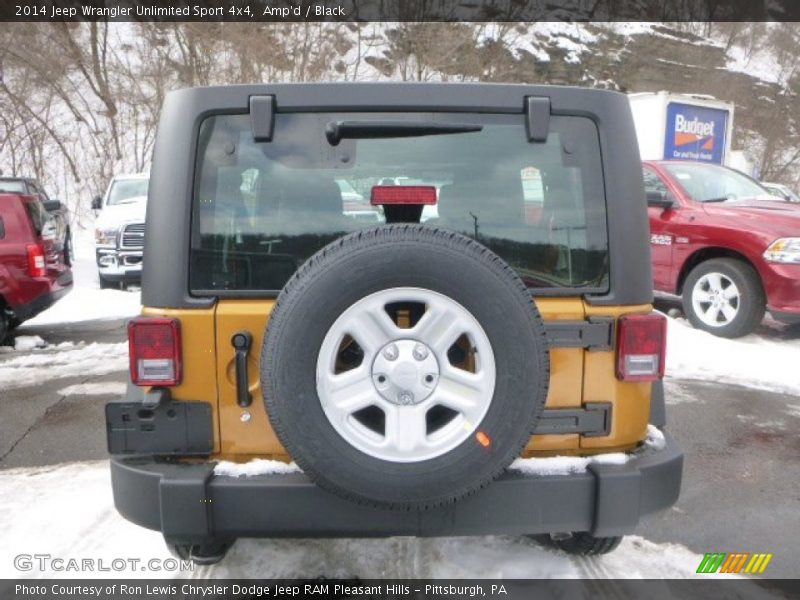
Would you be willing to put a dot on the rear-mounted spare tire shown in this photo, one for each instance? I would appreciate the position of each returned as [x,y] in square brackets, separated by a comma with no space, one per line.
[404,366]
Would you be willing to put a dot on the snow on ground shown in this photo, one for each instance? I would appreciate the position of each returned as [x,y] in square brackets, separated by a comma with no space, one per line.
[34,502]
[87,301]
[38,360]
[94,389]
[753,361]
[678,394]
[79,361]
[759,62]
[23,343]
[85,304]
[574,39]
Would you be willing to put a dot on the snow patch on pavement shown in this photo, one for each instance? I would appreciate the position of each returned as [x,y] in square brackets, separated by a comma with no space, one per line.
[81,361]
[67,512]
[778,425]
[258,466]
[793,410]
[752,361]
[674,393]
[86,301]
[83,304]
[24,343]
[111,388]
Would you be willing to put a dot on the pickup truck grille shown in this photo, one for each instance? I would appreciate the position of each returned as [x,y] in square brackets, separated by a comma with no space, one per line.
[133,236]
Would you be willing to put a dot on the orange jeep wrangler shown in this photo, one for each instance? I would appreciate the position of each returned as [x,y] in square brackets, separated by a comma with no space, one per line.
[402,289]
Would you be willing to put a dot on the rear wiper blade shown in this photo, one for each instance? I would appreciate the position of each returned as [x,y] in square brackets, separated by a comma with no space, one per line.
[720,199]
[340,130]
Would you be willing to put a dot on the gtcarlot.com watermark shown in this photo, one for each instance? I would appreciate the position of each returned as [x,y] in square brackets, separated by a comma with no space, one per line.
[57,564]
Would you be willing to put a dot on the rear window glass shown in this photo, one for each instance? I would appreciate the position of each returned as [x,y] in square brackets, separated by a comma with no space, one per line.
[37,214]
[261,209]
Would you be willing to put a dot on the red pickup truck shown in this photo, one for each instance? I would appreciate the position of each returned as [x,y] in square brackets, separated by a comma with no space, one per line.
[721,242]
[33,273]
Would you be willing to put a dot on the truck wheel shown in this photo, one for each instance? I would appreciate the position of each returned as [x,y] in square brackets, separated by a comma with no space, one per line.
[200,554]
[404,366]
[724,296]
[580,543]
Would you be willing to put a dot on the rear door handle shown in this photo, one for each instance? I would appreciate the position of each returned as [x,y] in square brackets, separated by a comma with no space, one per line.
[241,342]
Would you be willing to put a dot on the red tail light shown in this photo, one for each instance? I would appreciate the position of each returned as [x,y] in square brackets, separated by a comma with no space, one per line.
[402,194]
[641,347]
[36,265]
[154,346]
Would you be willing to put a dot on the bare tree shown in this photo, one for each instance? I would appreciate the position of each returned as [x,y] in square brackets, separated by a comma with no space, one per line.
[79,102]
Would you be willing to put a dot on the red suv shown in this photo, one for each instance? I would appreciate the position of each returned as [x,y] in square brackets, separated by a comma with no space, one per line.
[719,242]
[33,274]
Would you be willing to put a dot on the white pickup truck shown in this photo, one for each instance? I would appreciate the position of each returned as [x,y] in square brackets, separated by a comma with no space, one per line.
[119,230]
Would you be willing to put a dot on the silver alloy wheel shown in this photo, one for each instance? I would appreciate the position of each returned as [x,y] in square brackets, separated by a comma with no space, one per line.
[716,299]
[406,373]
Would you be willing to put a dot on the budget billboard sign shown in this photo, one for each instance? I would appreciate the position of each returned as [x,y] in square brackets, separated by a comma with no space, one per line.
[695,133]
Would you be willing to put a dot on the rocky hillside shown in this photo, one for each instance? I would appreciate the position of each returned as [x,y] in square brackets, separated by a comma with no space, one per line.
[80,102]
[753,68]
[660,58]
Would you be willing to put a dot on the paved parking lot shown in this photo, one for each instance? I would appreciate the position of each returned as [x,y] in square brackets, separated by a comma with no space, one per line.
[742,449]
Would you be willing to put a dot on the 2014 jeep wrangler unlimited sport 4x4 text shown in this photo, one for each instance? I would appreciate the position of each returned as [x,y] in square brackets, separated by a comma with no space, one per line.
[402,366]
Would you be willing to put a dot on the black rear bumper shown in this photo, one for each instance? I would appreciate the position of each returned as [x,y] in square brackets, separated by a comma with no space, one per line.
[188,503]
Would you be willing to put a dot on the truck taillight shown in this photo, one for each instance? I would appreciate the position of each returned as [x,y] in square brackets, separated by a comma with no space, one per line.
[36,266]
[154,346]
[641,347]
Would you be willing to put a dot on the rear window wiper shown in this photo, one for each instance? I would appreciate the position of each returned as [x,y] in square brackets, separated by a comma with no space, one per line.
[720,199]
[340,130]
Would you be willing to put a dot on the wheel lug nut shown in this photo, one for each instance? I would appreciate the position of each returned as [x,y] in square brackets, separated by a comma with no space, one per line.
[390,352]
[405,398]
[420,352]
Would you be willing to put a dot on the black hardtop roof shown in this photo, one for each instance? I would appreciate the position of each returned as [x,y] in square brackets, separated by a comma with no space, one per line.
[479,97]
